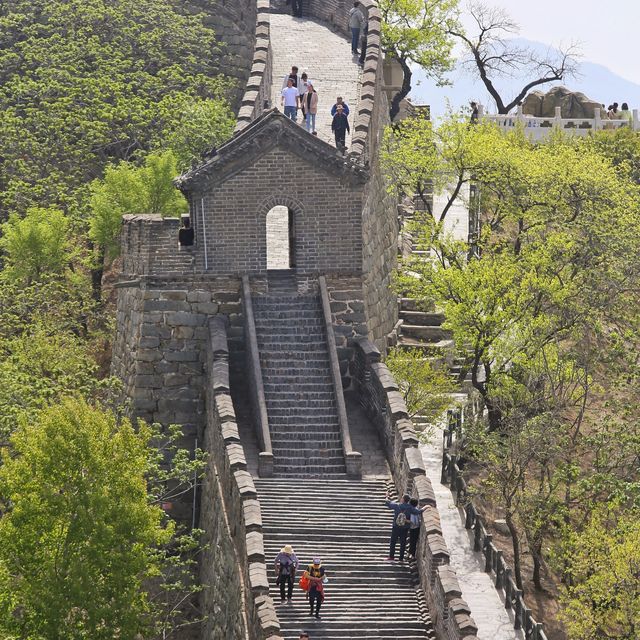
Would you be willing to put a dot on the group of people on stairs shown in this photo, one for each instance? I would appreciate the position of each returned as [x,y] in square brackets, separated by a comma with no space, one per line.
[406,525]
[312,581]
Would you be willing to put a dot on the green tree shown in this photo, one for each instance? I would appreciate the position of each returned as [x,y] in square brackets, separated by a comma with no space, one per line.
[86,83]
[602,566]
[36,245]
[426,387]
[546,307]
[127,188]
[417,32]
[82,536]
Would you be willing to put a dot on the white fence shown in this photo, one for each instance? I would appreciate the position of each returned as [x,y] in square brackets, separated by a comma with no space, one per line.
[540,128]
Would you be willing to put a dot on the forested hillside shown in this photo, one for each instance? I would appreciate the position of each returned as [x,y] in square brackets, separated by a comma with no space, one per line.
[102,104]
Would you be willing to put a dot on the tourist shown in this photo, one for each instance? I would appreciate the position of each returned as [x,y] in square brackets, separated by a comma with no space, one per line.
[311,108]
[356,22]
[613,111]
[340,126]
[363,45]
[304,635]
[626,115]
[345,106]
[474,113]
[293,76]
[402,512]
[315,573]
[302,88]
[296,8]
[289,99]
[414,529]
[185,235]
[286,564]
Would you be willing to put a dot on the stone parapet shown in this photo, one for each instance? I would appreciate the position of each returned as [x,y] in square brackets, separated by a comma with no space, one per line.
[383,403]
[233,569]
[257,90]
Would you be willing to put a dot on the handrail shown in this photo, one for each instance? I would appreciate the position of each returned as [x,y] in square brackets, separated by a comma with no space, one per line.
[258,402]
[482,540]
[353,459]
[540,126]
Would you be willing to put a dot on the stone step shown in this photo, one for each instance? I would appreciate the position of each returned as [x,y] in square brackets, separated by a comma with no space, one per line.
[425,332]
[299,335]
[302,402]
[311,387]
[288,346]
[411,304]
[429,348]
[425,318]
[320,470]
[287,375]
[348,526]
[299,440]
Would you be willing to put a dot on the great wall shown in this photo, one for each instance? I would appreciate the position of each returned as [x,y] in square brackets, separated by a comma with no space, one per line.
[278,373]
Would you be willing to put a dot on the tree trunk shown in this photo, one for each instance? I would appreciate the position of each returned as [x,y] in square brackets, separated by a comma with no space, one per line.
[515,542]
[536,555]
[97,272]
[404,91]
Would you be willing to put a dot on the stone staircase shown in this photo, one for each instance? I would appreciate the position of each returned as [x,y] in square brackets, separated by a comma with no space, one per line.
[346,523]
[301,403]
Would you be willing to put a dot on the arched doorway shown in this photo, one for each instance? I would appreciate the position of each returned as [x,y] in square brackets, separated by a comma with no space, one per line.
[280,238]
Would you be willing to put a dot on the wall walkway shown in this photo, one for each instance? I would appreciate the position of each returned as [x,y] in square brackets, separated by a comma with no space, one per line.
[492,619]
[326,57]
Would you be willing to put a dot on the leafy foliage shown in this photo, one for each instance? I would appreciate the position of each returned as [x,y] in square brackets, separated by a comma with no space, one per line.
[543,313]
[425,386]
[130,189]
[602,597]
[83,83]
[81,541]
[417,32]
[36,245]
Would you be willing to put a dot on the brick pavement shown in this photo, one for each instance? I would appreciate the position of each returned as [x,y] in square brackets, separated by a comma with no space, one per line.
[325,56]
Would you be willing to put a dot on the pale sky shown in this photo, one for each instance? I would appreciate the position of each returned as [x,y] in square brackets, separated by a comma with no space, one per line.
[608,30]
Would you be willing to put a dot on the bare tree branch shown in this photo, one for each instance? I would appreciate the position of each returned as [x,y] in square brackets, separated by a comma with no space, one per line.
[491,53]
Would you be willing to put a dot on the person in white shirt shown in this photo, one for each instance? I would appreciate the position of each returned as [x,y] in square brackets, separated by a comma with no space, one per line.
[290,99]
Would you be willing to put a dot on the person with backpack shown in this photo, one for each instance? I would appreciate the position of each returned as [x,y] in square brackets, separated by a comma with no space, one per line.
[316,577]
[414,529]
[402,512]
[286,563]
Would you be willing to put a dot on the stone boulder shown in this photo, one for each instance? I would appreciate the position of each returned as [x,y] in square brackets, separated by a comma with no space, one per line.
[573,104]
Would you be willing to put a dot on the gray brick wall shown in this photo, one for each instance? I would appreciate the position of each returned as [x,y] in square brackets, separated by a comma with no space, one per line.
[327,217]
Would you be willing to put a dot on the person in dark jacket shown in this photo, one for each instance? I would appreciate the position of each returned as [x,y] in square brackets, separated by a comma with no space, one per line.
[185,234]
[414,529]
[402,512]
[340,126]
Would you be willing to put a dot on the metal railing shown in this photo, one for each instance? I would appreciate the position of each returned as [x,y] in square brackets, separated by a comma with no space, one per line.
[495,563]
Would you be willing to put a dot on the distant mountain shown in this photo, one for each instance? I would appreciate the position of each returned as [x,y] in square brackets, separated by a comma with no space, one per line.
[595,81]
